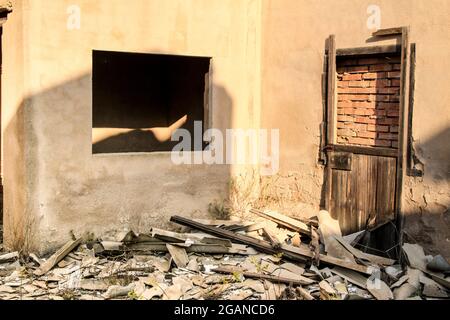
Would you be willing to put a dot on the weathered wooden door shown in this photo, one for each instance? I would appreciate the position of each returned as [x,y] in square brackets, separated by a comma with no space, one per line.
[363,125]
[362,188]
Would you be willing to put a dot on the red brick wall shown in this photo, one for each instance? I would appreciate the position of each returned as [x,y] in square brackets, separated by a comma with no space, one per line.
[368,101]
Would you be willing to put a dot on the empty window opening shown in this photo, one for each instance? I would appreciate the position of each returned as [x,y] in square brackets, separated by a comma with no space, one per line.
[139,100]
[368,93]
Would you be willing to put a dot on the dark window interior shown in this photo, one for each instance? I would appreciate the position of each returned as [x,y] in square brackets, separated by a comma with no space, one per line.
[136,91]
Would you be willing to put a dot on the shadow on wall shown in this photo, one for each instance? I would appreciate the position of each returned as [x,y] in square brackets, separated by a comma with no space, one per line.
[54,128]
[428,215]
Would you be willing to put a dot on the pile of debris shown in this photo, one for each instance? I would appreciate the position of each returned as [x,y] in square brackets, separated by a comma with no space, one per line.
[272,257]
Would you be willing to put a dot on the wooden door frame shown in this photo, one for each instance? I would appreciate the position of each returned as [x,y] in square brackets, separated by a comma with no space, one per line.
[404,115]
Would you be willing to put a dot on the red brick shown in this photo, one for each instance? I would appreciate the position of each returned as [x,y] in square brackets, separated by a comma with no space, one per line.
[380,83]
[357,90]
[394,144]
[379,98]
[349,111]
[345,118]
[396,66]
[388,136]
[393,74]
[365,120]
[360,84]
[351,77]
[344,104]
[354,97]
[394,91]
[394,98]
[362,141]
[340,111]
[388,90]
[395,83]
[371,127]
[394,129]
[340,125]
[357,126]
[367,134]
[375,112]
[364,104]
[360,112]
[342,139]
[387,105]
[393,113]
[374,75]
[380,67]
[382,143]
[388,121]
[346,132]
[342,84]
[357,69]
[375,116]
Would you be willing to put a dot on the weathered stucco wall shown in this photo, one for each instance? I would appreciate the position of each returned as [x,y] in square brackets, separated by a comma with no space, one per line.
[294,34]
[50,172]
[14,170]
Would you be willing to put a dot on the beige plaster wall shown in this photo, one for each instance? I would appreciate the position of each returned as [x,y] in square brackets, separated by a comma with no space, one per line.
[266,75]
[294,34]
[66,187]
[14,169]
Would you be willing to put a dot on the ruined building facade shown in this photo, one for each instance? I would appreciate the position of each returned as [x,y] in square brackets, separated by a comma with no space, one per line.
[71,67]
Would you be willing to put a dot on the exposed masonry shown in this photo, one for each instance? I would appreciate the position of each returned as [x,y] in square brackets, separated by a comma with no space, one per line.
[368,101]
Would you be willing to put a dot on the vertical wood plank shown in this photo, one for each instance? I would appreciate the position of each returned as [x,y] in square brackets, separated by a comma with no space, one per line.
[401,135]
[410,170]
[386,189]
[331,97]
[331,111]
[372,189]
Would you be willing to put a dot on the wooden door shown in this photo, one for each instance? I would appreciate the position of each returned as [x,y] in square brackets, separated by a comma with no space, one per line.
[362,187]
[362,137]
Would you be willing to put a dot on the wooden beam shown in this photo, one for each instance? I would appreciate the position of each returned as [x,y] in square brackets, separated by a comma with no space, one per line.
[284,221]
[410,169]
[331,96]
[401,135]
[331,112]
[289,252]
[371,151]
[194,248]
[388,32]
[260,245]
[326,259]
[389,49]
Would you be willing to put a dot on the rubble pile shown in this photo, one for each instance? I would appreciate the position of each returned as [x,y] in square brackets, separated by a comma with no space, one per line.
[272,257]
